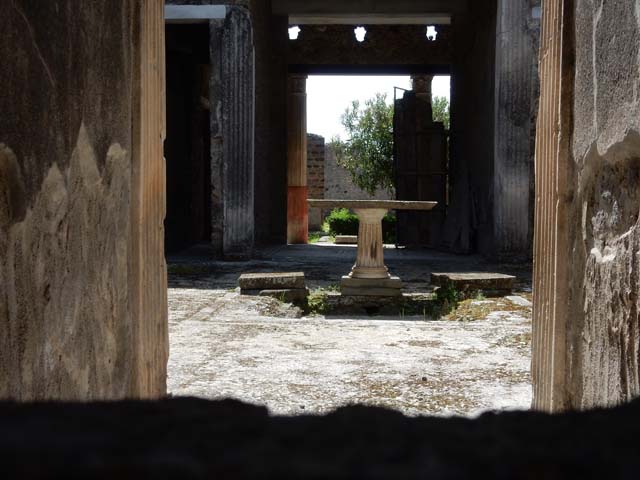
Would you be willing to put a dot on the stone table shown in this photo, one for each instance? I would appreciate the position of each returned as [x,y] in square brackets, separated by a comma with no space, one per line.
[369,276]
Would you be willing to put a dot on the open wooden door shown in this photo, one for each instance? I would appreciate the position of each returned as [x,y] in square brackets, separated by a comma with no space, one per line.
[420,161]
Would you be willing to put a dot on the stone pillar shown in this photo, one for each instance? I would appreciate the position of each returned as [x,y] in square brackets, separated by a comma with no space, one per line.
[513,159]
[554,260]
[147,268]
[238,125]
[297,209]
[421,85]
[216,29]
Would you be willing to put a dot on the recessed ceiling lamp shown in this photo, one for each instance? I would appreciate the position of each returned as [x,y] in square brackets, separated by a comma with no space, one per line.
[294,32]
[432,33]
[361,34]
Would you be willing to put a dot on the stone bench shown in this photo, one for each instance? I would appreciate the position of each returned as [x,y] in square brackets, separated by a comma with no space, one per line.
[346,239]
[285,286]
[490,283]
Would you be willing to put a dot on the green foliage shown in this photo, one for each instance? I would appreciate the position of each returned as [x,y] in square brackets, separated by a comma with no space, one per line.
[368,152]
[389,228]
[343,222]
[441,111]
[448,294]
[316,303]
[444,302]
[479,295]
[333,287]
[314,237]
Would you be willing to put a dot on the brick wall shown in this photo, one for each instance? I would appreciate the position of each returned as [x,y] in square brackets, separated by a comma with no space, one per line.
[327,179]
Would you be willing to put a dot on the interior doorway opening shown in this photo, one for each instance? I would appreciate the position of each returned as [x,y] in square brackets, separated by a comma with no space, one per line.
[226,343]
[399,117]
[187,147]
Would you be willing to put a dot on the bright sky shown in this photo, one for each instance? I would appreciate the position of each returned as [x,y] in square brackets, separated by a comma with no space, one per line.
[329,96]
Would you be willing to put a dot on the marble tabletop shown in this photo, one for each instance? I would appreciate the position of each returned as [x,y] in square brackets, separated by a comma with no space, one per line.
[362,204]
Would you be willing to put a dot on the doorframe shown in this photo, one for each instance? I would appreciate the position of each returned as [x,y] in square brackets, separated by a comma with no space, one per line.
[553,199]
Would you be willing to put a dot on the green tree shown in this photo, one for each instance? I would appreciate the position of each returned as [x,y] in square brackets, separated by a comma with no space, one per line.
[441,111]
[368,151]
[367,154]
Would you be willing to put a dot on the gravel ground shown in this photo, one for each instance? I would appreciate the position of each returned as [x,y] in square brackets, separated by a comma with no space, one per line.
[262,351]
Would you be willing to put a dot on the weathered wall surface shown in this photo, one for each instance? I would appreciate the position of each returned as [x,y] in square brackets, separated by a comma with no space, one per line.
[491,164]
[469,223]
[586,333]
[516,97]
[270,37]
[69,259]
[605,248]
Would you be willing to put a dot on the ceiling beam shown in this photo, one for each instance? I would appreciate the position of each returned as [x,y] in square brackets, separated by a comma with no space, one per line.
[368,7]
[372,70]
[193,13]
[372,19]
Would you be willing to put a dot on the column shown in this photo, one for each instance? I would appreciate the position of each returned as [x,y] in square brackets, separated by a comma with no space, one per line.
[553,358]
[514,130]
[216,30]
[238,125]
[147,266]
[421,86]
[297,209]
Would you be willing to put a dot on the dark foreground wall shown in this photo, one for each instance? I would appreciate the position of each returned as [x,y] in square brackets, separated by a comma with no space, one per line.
[197,439]
[73,318]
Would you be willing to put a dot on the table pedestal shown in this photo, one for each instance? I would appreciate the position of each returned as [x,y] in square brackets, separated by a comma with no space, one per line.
[369,276]
[370,257]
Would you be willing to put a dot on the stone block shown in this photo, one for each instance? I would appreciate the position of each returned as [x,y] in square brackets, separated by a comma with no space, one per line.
[271,281]
[291,295]
[346,239]
[496,282]
[371,287]
[371,292]
[392,282]
[521,302]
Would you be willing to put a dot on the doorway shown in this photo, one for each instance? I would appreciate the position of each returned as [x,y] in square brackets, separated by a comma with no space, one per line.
[187,147]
